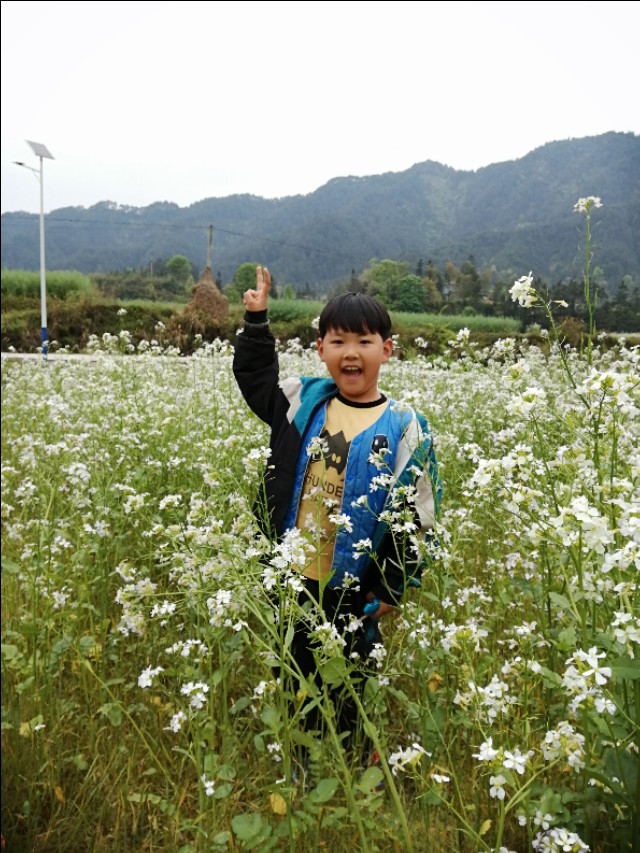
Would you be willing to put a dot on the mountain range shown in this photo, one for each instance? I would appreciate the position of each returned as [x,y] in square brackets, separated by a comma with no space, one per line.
[511,218]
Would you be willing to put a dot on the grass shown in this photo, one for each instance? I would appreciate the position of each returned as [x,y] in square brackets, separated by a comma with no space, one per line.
[456,322]
[61,284]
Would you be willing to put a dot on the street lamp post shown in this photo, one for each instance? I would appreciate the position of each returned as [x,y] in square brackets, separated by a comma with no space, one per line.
[42,152]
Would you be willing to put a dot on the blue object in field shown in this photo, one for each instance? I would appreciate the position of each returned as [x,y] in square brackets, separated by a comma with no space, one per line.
[371,607]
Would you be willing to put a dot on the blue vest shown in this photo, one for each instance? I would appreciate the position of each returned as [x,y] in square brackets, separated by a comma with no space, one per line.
[359,475]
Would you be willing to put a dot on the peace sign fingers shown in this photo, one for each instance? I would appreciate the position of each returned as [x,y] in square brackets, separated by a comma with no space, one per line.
[257,300]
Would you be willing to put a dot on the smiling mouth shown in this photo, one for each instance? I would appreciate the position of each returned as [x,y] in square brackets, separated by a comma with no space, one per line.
[352,371]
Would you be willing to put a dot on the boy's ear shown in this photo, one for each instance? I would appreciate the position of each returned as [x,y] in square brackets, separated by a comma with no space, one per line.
[321,348]
[387,349]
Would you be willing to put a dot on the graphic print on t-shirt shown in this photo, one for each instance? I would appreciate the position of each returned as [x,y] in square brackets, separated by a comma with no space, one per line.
[336,450]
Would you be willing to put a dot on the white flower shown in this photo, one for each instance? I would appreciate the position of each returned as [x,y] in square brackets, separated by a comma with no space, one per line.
[543,820]
[626,629]
[170,501]
[409,757]
[559,840]
[209,785]
[529,401]
[487,751]
[497,786]
[564,742]
[584,205]
[378,653]
[275,750]
[175,724]
[516,760]
[600,673]
[523,291]
[197,692]
[440,778]
[145,679]
[164,609]
[360,547]
[342,520]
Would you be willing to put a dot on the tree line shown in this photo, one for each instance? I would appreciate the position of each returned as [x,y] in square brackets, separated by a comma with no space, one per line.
[423,288]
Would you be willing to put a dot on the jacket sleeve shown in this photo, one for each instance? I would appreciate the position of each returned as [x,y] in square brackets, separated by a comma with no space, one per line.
[255,365]
[409,521]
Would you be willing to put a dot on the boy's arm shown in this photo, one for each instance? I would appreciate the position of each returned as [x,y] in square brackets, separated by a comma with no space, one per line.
[255,364]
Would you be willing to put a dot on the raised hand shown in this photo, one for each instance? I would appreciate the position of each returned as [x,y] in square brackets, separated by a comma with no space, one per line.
[256,300]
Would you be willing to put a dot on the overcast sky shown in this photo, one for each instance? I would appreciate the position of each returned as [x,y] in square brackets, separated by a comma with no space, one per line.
[178,101]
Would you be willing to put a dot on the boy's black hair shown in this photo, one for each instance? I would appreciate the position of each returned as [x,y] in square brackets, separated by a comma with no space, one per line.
[355,312]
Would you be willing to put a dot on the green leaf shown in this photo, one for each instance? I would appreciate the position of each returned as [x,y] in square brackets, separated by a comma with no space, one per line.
[270,717]
[324,790]
[246,826]
[371,777]
[567,639]
[627,668]
[560,601]
[25,685]
[9,652]
[242,703]
[113,712]
[79,762]
[288,638]
[334,671]
[223,791]
[550,679]
[432,797]
[87,644]
[225,771]
[209,763]
[60,647]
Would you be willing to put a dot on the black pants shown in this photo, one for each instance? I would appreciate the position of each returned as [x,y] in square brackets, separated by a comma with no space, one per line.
[339,607]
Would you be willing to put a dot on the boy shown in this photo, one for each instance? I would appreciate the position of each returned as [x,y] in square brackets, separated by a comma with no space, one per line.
[354,474]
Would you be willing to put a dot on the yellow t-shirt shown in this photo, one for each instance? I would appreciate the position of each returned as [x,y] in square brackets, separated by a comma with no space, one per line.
[323,485]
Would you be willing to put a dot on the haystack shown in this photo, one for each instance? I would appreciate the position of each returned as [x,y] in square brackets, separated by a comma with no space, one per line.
[207,301]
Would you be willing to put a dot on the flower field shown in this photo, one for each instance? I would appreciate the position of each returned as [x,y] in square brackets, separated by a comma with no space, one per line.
[139,707]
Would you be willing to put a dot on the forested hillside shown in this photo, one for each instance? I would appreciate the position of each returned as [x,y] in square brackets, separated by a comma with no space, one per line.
[509,217]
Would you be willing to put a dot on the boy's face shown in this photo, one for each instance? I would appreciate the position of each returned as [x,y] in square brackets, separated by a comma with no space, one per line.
[354,360]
